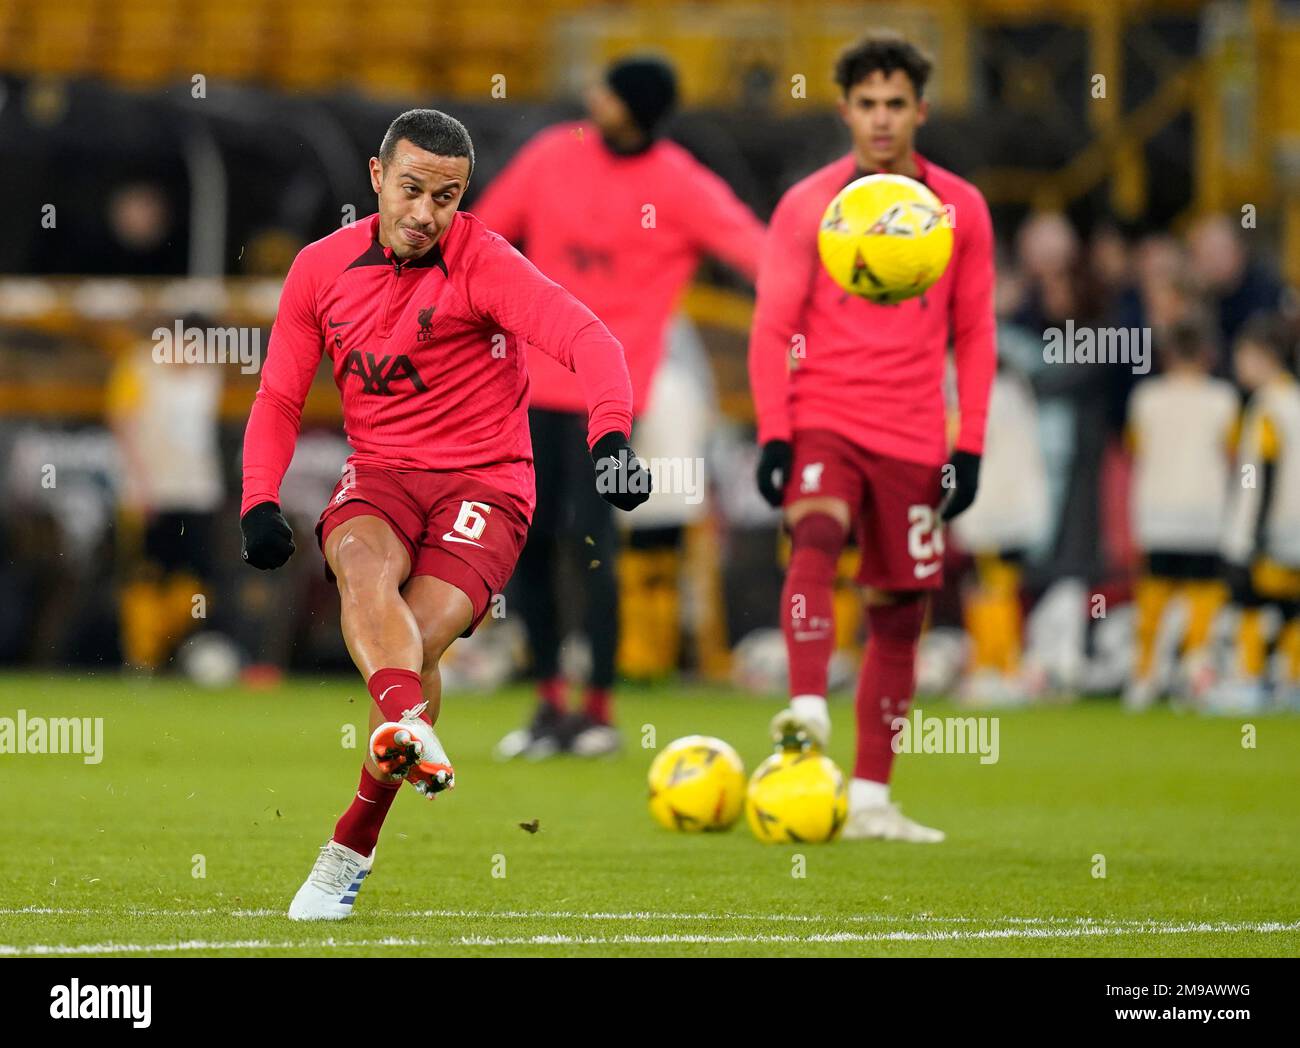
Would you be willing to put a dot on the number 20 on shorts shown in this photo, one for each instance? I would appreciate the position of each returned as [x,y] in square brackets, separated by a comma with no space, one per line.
[924,533]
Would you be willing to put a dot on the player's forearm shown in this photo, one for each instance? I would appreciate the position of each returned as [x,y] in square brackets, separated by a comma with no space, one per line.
[565,329]
[269,442]
[769,381]
[974,330]
[602,373]
[974,343]
[784,282]
[293,355]
[976,363]
[737,239]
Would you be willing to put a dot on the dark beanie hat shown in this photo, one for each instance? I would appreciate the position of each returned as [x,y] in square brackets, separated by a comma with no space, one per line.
[647,86]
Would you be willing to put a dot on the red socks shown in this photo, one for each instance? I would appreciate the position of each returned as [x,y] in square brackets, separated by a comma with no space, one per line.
[886,683]
[395,691]
[807,601]
[597,705]
[551,691]
[359,826]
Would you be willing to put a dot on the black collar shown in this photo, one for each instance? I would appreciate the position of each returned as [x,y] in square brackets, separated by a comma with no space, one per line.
[378,255]
[432,257]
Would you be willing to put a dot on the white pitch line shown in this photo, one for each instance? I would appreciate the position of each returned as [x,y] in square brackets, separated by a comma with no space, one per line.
[650,915]
[848,937]
[47,950]
[633,915]
[1152,928]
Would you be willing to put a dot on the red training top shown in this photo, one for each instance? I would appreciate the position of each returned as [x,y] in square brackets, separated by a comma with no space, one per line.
[427,357]
[873,374]
[622,233]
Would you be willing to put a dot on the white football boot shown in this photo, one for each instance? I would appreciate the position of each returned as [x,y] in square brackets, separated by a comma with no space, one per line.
[1236,696]
[331,888]
[593,739]
[411,749]
[886,823]
[539,739]
[806,719]
[1140,694]
[992,690]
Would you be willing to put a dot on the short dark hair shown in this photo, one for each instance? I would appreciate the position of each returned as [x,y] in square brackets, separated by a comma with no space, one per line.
[1193,336]
[882,52]
[430,129]
[1267,331]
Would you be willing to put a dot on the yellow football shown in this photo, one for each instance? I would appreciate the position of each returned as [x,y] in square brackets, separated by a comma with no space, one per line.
[886,238]
[797,797]
[697,784]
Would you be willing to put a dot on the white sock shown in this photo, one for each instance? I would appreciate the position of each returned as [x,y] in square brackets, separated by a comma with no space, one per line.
[863,793]
[813,706]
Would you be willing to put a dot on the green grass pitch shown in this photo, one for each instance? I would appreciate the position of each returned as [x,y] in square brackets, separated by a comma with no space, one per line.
[1200,837]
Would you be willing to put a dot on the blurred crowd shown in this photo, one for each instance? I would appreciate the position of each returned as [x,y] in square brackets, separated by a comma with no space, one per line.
[1126,503]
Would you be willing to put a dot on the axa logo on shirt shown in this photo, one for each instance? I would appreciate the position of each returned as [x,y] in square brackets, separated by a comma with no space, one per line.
[378,374]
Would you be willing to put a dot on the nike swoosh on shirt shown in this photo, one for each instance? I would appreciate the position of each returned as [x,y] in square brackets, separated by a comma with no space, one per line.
[924,571]
[449,537]
[340,323]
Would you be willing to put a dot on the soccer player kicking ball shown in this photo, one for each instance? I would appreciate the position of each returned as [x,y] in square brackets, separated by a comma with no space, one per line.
[423,313]
[853,427]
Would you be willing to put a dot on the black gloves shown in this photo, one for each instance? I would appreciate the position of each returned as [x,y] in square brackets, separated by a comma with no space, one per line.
[268,539]
[960,480]
[774,471]
[621,480]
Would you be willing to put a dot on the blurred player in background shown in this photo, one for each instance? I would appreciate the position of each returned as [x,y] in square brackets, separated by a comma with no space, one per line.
[423,312]
[675,428]
[853,434]
[620,218]
[1009,517]
[1262,544]
[1181,428]
[165,416]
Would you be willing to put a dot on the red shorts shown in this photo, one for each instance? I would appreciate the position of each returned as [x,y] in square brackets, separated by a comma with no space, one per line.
[456,529]
[892,503]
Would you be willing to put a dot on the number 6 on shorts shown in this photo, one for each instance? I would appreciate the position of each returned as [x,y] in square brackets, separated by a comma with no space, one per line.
[471,520]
